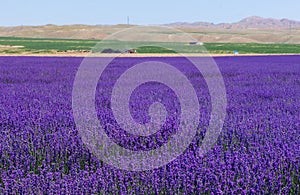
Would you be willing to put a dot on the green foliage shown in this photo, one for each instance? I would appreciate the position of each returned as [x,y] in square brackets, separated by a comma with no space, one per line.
[34,44]
[41,45]
[255,48]
[154,49]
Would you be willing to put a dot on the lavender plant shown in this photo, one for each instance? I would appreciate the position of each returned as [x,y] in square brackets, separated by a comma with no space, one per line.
[258,151]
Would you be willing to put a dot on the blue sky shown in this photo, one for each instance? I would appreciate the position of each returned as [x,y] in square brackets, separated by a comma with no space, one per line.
[38,12]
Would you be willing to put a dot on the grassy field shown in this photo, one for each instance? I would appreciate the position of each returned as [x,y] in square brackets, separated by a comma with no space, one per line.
[14,45]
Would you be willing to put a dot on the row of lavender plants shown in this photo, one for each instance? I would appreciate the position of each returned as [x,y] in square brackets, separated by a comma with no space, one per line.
[258,151]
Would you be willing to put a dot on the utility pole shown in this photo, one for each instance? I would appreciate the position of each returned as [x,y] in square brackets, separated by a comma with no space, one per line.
[128,20]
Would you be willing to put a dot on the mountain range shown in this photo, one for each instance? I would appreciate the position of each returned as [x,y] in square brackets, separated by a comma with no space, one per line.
[251,29]
[253,22]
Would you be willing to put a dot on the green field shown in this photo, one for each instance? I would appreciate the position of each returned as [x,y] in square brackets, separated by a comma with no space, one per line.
[14,45]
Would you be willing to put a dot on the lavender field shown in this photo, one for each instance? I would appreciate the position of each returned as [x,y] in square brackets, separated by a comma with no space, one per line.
[257,152]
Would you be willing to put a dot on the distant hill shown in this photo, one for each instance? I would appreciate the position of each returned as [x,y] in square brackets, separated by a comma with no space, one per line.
[252,29]
[254,22]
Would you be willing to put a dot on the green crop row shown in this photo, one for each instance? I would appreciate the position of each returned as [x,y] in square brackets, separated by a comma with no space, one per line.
[41,45]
